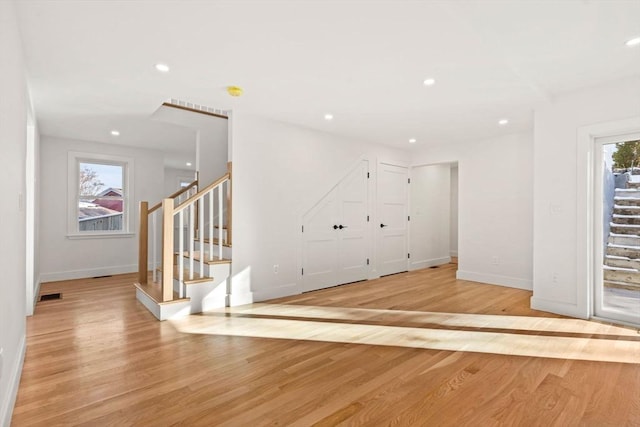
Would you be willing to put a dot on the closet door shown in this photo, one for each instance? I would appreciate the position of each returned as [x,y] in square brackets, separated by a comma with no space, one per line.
[335,234]
[352,238]
[392,218]
[320,247]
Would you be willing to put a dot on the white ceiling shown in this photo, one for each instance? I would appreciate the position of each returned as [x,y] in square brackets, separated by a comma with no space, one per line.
[91,63]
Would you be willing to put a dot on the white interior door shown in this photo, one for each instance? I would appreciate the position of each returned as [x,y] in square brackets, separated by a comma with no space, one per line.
[392,218]
[320,244]
[352,237]
[335,248]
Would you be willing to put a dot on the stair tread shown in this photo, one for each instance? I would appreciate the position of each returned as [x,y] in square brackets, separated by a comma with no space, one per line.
[154,291]
[623,269]
[632,236]
[617,282]
[626,198]
[196,276]
[613,224]
[215,242]
[196,256]
[625,258]
[615,215]
[621,285]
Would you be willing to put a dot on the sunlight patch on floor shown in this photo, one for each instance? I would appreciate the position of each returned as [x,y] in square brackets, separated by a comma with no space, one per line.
[523,323]
[605,350]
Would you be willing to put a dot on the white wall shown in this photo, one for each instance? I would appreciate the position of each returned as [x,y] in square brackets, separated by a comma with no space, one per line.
[430,195]
[559,271]
[453,222]
[212,149]
[495,207]
[13,126]
[63,258]
[280,171]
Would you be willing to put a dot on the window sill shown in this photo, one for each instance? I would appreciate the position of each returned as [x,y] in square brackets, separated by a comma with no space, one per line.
[80,236]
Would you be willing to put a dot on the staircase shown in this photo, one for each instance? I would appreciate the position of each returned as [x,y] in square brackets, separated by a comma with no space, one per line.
[622,259]
[185,251]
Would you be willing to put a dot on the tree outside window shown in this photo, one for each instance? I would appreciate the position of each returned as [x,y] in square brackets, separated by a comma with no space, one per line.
[101,196]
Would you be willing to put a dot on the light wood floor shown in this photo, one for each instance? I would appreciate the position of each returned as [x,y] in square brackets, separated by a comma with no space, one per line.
[417,348]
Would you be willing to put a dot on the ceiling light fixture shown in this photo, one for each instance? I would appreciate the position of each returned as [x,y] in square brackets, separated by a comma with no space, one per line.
[115,133]
[188,163]
[503,122]
[429,82]
[163,68]
[633,42]
[412,141]
[328,116]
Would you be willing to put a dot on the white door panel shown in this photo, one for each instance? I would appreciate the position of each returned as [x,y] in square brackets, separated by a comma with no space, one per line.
[320,244]
[392,218]
[344,249]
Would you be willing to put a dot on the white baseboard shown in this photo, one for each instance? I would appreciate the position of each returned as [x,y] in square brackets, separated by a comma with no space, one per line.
[88,273]
[243,298]
[418,265]
[279,292]
[556,307]
[495,279]
[9,401]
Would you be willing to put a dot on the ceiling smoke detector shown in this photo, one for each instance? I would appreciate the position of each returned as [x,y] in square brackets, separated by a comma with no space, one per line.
[234,90]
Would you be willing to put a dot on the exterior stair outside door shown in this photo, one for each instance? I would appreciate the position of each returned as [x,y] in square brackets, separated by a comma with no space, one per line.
[622,259]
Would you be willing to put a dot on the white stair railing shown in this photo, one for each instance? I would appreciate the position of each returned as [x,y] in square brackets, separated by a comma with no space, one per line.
[198,203]
[195,214]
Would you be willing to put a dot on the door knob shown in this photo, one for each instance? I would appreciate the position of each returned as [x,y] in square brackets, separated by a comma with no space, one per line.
[342,226]
[383,225]
[335,227]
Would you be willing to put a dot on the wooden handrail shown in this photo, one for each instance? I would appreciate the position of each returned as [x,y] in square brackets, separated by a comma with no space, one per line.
[200,194]
[174,195]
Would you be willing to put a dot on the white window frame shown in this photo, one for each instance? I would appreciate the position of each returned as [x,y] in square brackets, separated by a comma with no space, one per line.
[74,160]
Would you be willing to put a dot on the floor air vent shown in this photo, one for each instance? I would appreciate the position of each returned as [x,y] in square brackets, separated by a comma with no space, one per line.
[48,297]
[435,266]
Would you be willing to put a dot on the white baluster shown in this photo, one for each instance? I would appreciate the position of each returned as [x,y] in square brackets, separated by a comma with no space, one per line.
[191,239]
[181,253]
[154,246]
[210,257]
[201,234]
[220,214]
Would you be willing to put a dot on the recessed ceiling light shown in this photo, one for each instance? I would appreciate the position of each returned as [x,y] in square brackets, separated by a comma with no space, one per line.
[412,141]
[115,133]
[163,68]
[633,42]
[328,116]
[503,122]
[429,82]
[188,163]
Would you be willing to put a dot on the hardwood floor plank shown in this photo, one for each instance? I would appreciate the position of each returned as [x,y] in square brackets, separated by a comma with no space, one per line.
[393,351]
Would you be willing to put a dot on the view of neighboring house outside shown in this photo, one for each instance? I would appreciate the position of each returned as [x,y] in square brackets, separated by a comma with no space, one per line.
[100,210]
[111,198]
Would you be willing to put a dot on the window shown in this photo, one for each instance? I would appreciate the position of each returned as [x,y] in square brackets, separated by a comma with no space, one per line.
[98,192]
[183,182]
